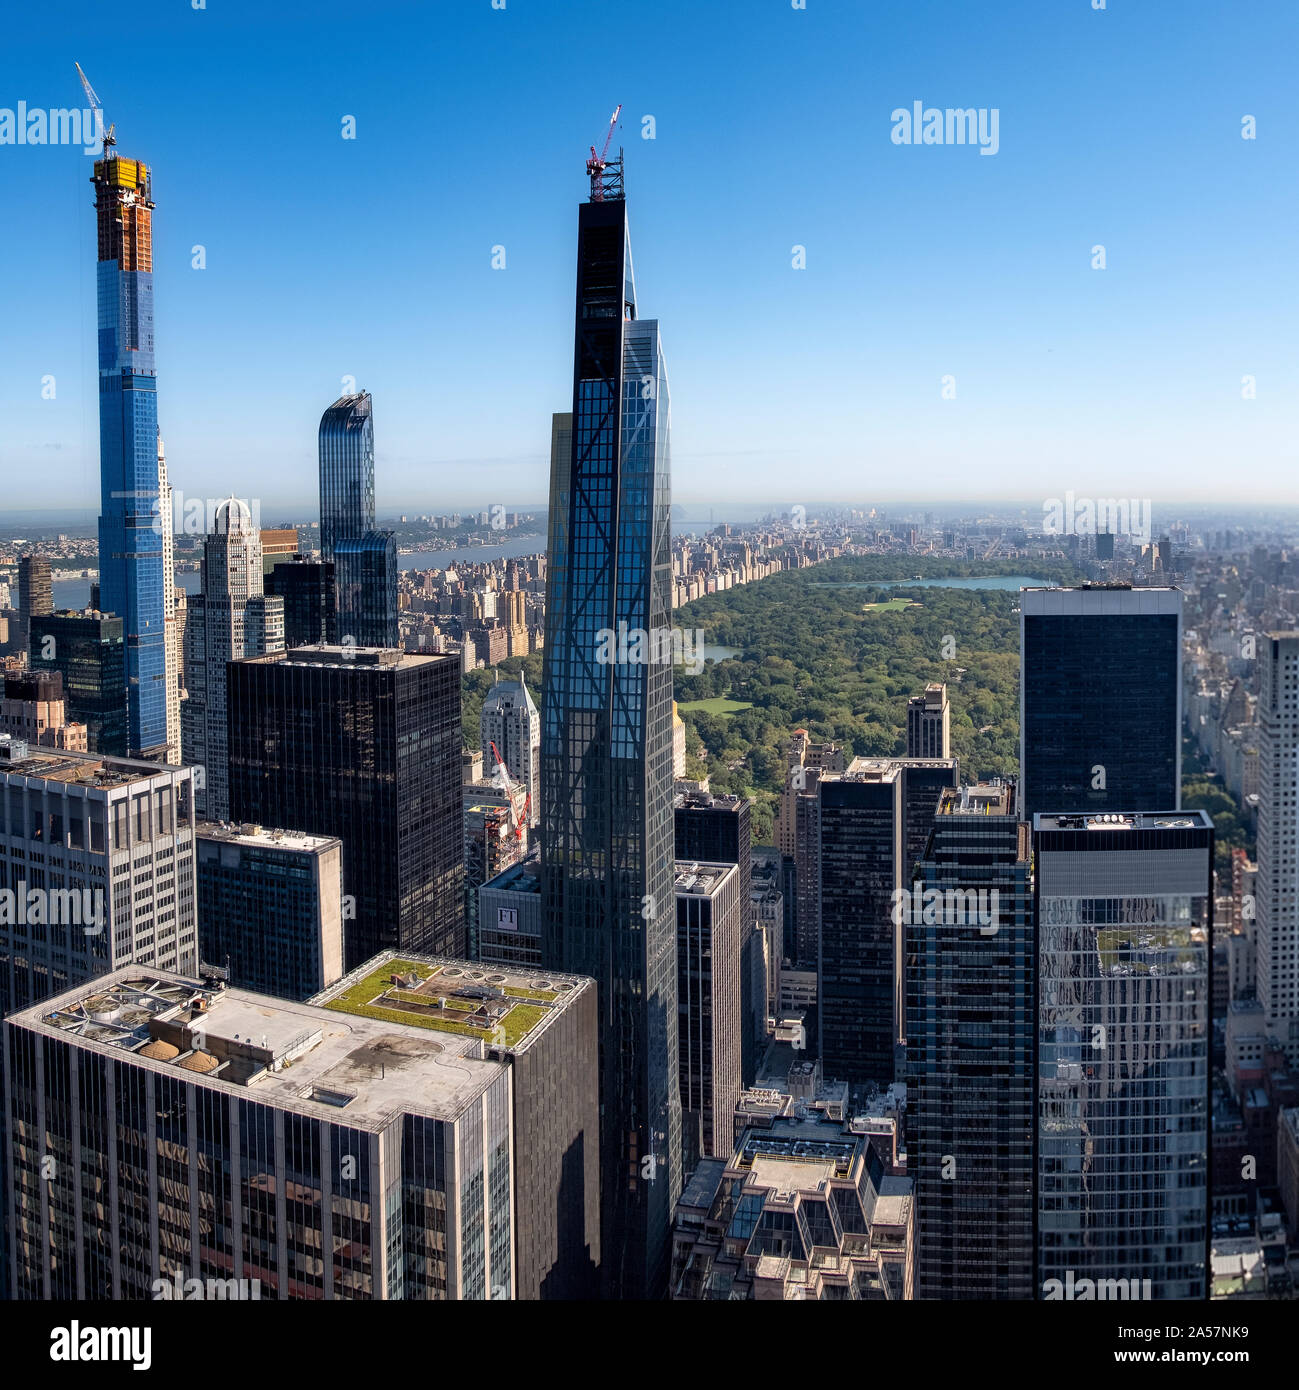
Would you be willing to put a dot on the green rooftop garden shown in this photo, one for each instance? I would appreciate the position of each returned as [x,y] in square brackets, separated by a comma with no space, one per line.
[364,995]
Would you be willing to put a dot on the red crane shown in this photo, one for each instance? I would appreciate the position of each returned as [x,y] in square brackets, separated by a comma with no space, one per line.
[595,166]
[518,815]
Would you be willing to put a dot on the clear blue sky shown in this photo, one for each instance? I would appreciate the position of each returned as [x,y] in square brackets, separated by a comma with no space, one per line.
[372,257]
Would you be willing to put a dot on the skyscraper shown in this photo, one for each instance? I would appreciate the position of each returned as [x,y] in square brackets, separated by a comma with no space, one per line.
[89,651]
[970,1021]
[35,592]
[1277,929]
[173,628]
[1100,705]
[365,585]
[606,743]
[1124,907]
[131,525]
[230,620]
[709,1012]
[510,721]
[307,588]
[929,723]
[364,744]
[873,823]
[346,471]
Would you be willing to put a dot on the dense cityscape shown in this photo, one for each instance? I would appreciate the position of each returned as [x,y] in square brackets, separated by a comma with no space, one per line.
[758,900]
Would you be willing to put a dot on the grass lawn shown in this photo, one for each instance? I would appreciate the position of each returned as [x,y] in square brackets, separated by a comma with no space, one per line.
[890,605]
[718,705]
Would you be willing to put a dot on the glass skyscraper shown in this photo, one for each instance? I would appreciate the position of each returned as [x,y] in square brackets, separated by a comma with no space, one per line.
[606,747]
[346,471]
[365,579]
[1124,907]
[970,972]
[1100,712]
[131,522]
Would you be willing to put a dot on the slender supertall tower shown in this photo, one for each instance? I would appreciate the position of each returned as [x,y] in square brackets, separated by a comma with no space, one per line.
[606,746]
[346,472]
[170,626]
[130,534]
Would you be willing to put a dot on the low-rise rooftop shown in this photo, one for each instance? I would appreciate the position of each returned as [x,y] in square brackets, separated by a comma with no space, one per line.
[503,1006]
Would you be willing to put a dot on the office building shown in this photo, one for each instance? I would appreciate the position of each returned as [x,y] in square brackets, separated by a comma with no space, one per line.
[606,742]
[804,1209]
[214,1134]
[970,972]
[279,544]
[716,829]
[509,916]
[543,1026]
[496,837]
[307,588]
[1124,907]
[101,851]
[346,471]
[929,723]
[89,651]
[365,589]
[710,1018]
[873,824]
[511,722]
[270,908]
[131,582]
[1100,703]
[363,744]
[1276,932]
[33,710]
[231,619]
[35,593]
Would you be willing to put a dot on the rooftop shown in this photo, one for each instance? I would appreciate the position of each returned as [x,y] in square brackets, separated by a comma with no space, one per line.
[356,1071]
[91,769]
[500,1005]
[700,880]
[983,799]
[1125,820]
[260,835]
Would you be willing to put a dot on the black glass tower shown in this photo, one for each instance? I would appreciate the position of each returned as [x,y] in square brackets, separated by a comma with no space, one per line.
[364,745]
[970,994]
[89,650]
[606,747]
[346,471]
[307,588]
[365,578]
[1100,711]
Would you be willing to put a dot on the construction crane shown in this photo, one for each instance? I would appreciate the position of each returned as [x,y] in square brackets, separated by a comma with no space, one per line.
[595,166]
[501,775]
[98,106]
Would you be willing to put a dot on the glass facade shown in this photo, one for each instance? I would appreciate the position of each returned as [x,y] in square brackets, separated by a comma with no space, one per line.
[90,652]
[365,580]
[1124,912]
[130,537]
[367,749]
[307,588]
[346,471]
[1100,699]
[969,1069]
[606,761]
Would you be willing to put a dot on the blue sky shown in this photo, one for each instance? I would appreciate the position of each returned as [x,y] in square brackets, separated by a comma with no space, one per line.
[372,258]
